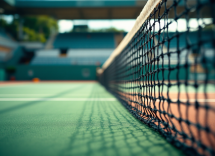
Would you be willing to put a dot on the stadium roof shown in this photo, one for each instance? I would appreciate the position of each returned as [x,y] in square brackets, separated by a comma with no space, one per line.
[74,3]
[78,9]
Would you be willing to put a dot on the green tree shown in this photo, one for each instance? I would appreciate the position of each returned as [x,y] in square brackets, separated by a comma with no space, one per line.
[41,24]
[3,23]
[35,28]
[12,28]
[31,35]
[209,27]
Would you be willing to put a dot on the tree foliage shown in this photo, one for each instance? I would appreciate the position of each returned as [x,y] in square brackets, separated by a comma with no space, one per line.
[209,27]
[3,23]
[35,28]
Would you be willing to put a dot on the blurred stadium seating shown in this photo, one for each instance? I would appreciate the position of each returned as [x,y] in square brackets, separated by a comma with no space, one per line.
[75,50]
[83,48]
[85,40]
[86,50]
[80,49]
[7,45]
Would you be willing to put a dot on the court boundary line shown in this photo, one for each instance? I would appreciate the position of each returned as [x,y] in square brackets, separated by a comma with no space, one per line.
[86,99]
[58,99]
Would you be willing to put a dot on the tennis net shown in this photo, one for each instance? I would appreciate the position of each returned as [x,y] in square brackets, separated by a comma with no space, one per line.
[163,72]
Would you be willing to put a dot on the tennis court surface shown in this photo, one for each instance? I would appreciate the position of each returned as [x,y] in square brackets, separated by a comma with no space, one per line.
[155,93]
[72,119]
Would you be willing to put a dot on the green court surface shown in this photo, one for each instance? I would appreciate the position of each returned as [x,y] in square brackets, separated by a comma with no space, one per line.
[62,119]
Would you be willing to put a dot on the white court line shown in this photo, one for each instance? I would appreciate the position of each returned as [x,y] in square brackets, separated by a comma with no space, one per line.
[90,99]
[24,94]
[38,94]
[57,99]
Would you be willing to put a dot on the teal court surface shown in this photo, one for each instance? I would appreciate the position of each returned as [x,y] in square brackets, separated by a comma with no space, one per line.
[63,119]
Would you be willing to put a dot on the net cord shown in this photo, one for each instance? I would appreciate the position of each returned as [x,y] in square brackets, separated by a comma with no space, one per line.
[148,8]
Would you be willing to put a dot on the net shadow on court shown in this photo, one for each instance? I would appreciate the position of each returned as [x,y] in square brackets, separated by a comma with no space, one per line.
[104,128]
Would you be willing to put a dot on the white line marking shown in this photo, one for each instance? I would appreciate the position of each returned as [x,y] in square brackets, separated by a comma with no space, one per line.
[90,99]
[57,99]
[24,94]
[33,95]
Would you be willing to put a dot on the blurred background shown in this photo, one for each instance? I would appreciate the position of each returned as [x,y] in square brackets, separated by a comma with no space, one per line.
[61,39]
[69,39]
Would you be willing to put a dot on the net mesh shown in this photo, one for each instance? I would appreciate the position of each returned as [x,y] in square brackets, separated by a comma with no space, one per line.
[165,74]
